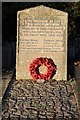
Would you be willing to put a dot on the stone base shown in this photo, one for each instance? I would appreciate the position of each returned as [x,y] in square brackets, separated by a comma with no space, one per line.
[31,99]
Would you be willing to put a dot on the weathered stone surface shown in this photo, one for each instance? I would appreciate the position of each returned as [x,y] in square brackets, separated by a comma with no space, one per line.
[41,31]
[58,106]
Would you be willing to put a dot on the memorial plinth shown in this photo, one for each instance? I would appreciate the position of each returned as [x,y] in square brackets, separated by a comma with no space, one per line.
[41,32]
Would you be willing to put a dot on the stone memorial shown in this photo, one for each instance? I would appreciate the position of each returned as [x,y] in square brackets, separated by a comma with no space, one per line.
[41,33]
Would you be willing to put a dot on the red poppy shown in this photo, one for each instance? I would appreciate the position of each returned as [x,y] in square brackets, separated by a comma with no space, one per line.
[34,68]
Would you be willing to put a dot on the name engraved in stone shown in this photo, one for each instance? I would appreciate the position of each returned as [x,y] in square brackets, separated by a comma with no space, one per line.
[49,32]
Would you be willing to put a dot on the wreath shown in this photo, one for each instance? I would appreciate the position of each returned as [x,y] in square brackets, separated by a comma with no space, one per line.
[34,68]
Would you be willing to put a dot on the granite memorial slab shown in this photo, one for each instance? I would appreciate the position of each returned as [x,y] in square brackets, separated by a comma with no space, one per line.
[41,32]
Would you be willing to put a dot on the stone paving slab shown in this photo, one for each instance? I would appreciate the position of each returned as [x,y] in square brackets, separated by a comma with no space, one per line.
[51,100]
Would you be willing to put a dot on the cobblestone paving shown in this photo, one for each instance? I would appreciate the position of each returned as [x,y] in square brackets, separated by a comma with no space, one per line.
[50,100]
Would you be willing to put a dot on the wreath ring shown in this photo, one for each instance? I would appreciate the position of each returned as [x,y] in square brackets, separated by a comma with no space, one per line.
[34,68]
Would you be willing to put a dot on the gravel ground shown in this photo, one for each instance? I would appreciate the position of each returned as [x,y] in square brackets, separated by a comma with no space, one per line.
[51,100]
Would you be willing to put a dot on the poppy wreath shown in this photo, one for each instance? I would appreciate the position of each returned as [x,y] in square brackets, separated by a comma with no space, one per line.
[34,68]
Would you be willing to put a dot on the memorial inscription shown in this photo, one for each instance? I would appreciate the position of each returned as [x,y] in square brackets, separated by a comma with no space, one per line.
[41,32]
[41,28]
